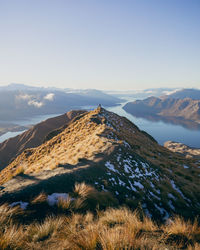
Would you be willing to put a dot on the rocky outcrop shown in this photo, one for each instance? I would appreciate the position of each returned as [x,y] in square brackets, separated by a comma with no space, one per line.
[183,149]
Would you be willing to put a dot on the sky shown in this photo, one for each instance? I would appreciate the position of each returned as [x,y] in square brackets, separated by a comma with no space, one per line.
[102,44]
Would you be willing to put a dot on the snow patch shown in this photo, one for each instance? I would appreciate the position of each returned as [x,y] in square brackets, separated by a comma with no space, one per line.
[138,184]
[22,204]
[111,167]
[54,198]
[179,191]
[171,205]
[171,196]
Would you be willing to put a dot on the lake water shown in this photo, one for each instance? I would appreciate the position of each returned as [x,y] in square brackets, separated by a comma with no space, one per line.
[160,130]
[9,134]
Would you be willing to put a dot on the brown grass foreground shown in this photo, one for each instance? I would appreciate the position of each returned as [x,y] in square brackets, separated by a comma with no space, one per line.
[74,224]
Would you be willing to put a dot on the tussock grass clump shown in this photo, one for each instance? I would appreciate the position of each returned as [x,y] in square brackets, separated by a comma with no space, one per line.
[87,197]
[11,237]
[65,204]
[182,232]
[42,231]
[8,214]
[41,198]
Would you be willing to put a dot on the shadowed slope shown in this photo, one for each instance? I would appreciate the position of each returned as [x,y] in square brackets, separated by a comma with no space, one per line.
[33,137]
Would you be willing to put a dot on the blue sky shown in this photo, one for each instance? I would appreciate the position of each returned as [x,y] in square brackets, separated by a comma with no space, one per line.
[103,44]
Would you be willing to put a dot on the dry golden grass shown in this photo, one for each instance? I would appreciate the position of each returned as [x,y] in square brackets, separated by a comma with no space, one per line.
[65,204]
[7,214]
[83,190]
[178,226]
[110,229]
[40,232]
[11,237]
[41,198]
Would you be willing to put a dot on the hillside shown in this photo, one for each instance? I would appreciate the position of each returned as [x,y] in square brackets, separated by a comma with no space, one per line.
[187,108]
[183,149]
[110,153]
[33,137]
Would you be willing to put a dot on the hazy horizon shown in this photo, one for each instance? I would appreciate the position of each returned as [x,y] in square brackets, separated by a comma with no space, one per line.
[106,45]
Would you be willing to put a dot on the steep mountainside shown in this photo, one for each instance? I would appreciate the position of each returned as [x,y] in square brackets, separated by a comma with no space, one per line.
[33,137]
[185,109]
[112,154]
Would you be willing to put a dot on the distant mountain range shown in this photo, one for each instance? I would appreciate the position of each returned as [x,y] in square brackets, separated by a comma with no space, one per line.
[184,93]
[183,104]
[108,152]
[143,93]
[18,101]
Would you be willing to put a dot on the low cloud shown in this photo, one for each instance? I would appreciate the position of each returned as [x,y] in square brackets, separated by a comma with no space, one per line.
[24,97]
[49,97]
[170,92]
[35,103]
[34,100]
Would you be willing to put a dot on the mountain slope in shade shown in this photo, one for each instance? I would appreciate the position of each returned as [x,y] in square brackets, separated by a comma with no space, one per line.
[184,109]
[112,154]
[33,137]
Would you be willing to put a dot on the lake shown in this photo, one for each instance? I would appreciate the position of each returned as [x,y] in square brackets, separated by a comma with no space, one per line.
[161,131]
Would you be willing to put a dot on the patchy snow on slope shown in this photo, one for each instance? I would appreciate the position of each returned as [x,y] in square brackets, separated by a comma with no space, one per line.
[111,167]
[152,185]
[54,198]
[127,169]
[171,205]
[121,183]
[126,144]
[171,196]
[155,196]
[157,191]
[138,184]
[160,209]
[132,187]
[113,180]
[22,204]
[185,166]
[178,190]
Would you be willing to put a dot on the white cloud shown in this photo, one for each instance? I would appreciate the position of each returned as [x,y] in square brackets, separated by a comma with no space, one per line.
[170,92]
[49,97]
[24,97]
[35,103]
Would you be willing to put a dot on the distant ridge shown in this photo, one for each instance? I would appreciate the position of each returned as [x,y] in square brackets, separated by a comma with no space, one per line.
[186,108]
[33,137]
[184,93]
